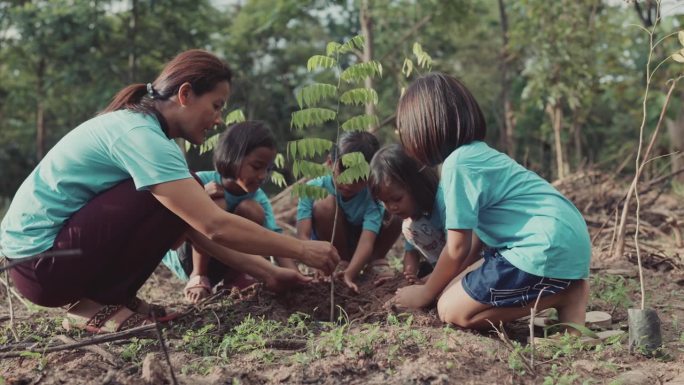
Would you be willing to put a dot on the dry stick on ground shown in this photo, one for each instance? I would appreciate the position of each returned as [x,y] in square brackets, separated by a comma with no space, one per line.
[9,302]
[164,350]
[533,313]
[107,356]
[109,337]
[502,335]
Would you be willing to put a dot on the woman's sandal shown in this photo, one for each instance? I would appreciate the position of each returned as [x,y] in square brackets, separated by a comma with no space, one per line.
[106,319]
[153,311]
[199,285]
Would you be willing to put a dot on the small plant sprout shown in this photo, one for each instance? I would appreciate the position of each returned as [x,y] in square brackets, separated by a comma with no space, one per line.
[321,103]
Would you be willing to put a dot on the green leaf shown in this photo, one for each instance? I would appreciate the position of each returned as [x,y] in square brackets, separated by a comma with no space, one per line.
[679,58]
[424,60]
[309,169]
[680,35]
[332,48]
[356,168]
[360,71]
[407,67]
[359,96]
[278,179]
[360,123]
[311,192]
[235,116]
[314,93]
[311,116]
[308,147]
[357,42]
[320,61]
[209,144]
[279,160]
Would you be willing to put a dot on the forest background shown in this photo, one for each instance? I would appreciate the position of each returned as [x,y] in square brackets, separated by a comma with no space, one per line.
[560,82]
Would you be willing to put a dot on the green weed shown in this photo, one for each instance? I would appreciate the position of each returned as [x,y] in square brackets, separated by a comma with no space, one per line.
[134,350]
[556,378]
[200,341]
[613,289]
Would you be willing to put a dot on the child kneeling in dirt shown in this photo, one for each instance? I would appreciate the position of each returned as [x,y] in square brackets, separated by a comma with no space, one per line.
[243,160]
[539,243]
[361,235]
[408,191]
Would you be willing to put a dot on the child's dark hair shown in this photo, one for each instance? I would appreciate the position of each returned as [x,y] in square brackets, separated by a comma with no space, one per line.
[237,142]
[356,141]
[435,116]
[203,70]
[392,165]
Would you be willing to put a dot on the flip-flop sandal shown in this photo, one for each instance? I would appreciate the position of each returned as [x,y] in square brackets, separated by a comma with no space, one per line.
[107,319]
[154,311]
[197,282]
[593,320]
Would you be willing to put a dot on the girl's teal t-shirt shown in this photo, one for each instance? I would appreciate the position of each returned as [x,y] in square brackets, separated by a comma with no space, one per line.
[93,157]
[513,209]
[172,258]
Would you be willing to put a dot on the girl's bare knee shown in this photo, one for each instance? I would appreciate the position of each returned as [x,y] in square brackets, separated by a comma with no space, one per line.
[324,209]
[449,314]
[252,210]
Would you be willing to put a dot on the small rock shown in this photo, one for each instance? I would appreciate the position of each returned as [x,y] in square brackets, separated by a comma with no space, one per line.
[679,380]
[634,377]
[153,372]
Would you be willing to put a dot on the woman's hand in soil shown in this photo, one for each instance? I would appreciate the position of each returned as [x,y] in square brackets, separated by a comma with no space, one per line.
[320,255]
[412,297]
[214,190]
[285,278]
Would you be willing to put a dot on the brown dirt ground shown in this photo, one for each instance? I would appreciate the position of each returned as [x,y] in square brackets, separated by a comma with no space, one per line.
[246,338]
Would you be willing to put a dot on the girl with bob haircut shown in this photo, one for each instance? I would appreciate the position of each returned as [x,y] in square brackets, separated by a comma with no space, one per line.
[243,160]
[538,243]
[408,191]
[116,192]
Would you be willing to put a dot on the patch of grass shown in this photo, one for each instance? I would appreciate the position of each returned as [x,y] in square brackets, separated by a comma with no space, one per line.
[201,366]
[200,341]
[557,378]
[135,350]
[614,290]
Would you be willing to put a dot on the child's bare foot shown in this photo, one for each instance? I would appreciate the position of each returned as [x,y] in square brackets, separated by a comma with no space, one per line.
[382,270]
[197,288]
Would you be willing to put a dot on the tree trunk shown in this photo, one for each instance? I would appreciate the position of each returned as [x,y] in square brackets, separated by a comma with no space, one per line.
[577,139]
[507,139]
[40,109]
[556,115]
[366,21]
[132,32]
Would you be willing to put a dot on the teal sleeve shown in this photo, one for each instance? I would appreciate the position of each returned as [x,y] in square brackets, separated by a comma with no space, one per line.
[305,205]
[269,218]
[372,217]
[408,246]
[208,176]
[461,191]
[148,158]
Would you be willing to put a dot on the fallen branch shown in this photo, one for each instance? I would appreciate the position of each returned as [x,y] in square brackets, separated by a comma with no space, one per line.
[109,337]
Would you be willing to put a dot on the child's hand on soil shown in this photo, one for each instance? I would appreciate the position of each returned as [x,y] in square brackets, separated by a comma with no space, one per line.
[284,279]
[214,190]
[349,281]
[411,265]
[412,297]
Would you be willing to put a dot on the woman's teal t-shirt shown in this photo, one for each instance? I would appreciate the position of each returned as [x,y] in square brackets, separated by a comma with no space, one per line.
[513,209]
[93,157]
